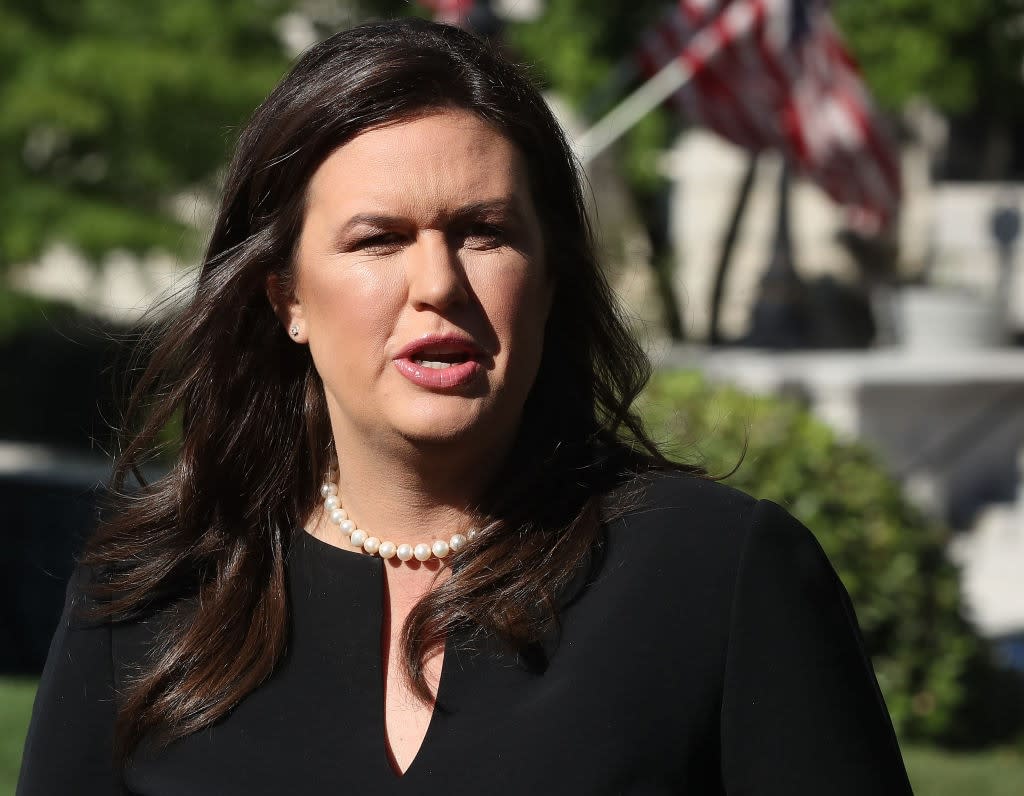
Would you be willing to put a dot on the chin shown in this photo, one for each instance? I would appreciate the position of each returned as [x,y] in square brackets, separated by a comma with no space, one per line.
[467,422]
[433,438]
[440,430]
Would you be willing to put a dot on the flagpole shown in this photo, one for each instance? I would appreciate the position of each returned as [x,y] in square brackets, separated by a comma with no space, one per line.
[637,105]
[725,257]
[736,18]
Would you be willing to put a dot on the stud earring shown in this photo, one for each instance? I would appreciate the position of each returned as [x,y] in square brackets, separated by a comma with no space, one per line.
[294,330]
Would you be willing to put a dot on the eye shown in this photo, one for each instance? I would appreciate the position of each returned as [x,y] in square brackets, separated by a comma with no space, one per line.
[382,243]
[484,236]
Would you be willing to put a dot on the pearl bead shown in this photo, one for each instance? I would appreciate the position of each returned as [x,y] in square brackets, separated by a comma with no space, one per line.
[457,542]
[358,537]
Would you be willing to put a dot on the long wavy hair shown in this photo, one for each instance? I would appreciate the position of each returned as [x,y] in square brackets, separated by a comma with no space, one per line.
[206,544]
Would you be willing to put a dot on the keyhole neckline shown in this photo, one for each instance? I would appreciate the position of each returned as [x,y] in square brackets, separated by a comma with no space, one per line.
[328,552]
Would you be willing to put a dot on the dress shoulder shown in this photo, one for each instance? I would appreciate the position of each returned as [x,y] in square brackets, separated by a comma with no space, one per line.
[749,586]
[680,490]
[680,513]
[694,521]
[802,712]
[669,558]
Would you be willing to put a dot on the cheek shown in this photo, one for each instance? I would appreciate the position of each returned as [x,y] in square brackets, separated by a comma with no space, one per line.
[350,313]
[518,312]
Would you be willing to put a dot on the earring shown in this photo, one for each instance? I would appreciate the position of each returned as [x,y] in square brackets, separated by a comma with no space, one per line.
[294,330]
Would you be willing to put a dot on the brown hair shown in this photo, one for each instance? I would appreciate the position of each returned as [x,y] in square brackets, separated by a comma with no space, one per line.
[209,539]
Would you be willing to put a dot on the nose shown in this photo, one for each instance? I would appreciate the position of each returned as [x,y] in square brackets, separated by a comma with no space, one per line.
[435,275]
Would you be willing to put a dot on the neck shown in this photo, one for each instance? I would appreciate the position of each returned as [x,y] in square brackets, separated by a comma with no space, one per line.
[413,492]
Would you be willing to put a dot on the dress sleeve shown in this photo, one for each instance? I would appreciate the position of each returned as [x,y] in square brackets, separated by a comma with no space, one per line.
[70,737]
[801,710]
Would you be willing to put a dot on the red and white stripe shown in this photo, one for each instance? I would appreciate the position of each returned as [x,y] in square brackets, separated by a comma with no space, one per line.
[760,89]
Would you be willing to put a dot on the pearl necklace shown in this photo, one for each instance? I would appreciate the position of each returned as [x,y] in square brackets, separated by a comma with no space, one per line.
[385,549]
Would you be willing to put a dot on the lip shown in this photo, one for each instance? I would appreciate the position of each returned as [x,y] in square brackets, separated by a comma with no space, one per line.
[454,376]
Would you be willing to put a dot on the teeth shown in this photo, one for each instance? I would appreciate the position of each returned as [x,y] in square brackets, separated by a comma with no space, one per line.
[434,365]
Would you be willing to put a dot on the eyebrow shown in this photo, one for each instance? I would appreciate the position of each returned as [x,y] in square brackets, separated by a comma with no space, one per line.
[488,209]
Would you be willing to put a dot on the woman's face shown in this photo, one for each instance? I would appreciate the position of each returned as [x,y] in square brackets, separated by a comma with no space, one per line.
[421,287]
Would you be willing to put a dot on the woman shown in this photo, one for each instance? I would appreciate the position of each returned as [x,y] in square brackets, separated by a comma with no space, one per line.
[415,538]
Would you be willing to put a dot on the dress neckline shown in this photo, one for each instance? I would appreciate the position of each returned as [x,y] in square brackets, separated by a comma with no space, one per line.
[314,544]
[372,567]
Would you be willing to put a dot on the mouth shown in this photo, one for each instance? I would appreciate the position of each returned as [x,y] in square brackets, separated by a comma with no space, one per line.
[439,351]
[440,362]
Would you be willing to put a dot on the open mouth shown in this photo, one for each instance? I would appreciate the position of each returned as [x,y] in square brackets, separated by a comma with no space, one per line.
[440,361]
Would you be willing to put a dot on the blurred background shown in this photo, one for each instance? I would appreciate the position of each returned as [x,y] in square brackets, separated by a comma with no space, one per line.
[811,210]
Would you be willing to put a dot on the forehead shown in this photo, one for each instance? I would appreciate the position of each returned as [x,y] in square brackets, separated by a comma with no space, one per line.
[451,156]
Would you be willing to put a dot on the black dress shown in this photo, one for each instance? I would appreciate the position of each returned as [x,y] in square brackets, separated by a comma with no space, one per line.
[713,652]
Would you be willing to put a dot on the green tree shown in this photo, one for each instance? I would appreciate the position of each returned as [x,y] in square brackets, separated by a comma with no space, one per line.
[113,108]
[965,58]
[962,56]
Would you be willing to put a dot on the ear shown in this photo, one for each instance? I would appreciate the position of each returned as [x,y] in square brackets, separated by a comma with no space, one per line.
[288,308]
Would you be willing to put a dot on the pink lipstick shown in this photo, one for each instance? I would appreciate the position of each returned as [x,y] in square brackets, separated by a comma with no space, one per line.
[440,362]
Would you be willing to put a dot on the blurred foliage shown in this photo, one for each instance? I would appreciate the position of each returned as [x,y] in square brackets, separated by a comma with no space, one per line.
[112,108]
[964,56]
[16,695]
[889,556]
[935,772]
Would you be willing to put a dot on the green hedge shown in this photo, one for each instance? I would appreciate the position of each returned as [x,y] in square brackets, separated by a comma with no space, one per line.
[888,554]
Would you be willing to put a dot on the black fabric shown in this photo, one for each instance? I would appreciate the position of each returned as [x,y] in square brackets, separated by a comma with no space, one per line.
[713,651]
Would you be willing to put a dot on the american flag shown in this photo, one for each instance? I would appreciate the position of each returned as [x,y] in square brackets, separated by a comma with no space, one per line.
[775,74]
